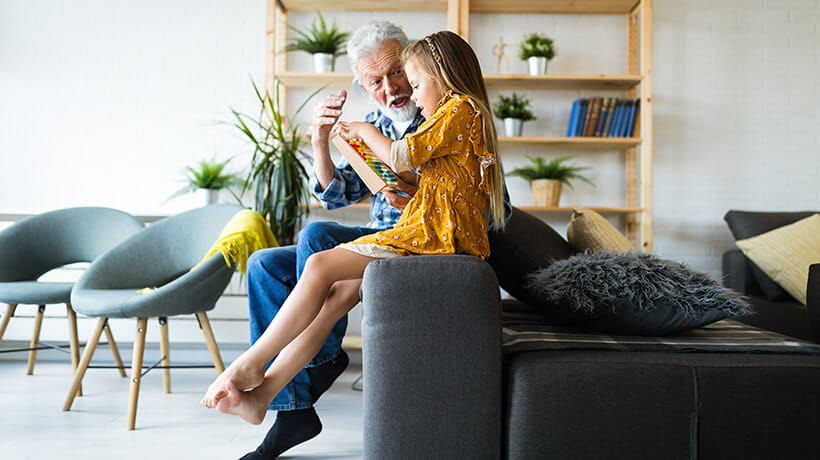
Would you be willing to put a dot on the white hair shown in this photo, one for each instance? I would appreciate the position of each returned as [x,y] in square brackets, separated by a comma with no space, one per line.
[369,38]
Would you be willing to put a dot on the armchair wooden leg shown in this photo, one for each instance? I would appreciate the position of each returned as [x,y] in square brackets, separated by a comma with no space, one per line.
[115,350]
[136,372]
[165,351]
[205,325]
[74,341]
[84,362]
[35,338]
[4,322]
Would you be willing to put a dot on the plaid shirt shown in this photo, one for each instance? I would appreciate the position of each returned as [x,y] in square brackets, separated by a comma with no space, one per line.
[347,187]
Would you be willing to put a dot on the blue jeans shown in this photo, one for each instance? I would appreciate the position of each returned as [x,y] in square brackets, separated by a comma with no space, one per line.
[272,274]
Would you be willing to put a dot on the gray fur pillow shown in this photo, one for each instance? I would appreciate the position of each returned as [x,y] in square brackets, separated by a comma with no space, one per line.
[633,294]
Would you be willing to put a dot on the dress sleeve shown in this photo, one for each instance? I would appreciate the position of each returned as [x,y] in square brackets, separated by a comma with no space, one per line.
[448,130]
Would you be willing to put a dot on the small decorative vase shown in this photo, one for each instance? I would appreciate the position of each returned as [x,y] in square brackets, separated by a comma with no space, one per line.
[546,192]
[513,127]
[538,65]
[208,196]
[323,62]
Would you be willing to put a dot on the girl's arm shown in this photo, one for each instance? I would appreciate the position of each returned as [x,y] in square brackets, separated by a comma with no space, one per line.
[378,142]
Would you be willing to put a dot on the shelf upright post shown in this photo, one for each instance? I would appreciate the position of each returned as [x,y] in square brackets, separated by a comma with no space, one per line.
[458,17]
[631,169]
[646,128]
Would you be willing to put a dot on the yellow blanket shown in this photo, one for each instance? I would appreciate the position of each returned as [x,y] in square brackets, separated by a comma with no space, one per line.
[246,232]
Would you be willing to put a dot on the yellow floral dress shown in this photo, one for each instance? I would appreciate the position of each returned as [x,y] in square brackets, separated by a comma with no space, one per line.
[446,215]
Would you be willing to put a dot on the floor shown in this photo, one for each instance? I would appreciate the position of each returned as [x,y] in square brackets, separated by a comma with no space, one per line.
[169,426]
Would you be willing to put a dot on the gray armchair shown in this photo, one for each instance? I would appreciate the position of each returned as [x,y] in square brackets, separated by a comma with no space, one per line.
[41,243]
[160,257]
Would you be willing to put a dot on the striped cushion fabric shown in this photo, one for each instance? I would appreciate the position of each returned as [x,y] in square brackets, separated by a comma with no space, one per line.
[786,253]
[530,331]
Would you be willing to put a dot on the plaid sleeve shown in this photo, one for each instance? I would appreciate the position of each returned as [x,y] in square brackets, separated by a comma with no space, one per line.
[345,189]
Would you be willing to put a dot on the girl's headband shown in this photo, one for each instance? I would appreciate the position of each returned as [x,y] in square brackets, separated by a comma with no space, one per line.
[433,49]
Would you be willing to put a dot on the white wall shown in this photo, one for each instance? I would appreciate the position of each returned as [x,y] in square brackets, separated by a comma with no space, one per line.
[103,102]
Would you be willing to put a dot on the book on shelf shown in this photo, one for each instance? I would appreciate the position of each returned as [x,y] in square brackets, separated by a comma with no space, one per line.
[375,173]
[592,119]
[603,117]
[573,118]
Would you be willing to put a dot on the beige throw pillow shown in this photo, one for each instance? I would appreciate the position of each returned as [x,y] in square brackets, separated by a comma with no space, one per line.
[588,230]
[786,253]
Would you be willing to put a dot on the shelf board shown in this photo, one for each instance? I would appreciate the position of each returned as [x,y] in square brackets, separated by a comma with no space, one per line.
[511,81]
[603,210]
[562,82]
[476,6]
[575,142]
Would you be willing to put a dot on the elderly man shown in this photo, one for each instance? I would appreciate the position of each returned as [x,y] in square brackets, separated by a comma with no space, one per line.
[374,52]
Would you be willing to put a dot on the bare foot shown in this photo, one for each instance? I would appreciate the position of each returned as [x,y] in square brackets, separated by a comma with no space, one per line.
[243,404]
[238,374]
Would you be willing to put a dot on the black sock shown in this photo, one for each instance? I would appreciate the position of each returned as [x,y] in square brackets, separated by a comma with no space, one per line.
[291,428]
[323,376]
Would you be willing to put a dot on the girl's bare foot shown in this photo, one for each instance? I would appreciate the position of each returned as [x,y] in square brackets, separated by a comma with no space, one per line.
[243,404]
[238,374]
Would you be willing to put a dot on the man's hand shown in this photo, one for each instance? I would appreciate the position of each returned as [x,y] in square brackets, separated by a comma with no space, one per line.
[325,115]
[400,201]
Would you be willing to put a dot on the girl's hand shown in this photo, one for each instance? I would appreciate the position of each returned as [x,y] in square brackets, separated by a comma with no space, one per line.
[354,129]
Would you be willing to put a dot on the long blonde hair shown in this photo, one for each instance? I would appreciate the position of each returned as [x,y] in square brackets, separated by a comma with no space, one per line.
[448,59]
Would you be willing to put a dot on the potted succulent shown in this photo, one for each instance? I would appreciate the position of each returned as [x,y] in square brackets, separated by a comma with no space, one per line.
[537,50]
[277,172]
[514,110]
[207,178]
[322,42]
[547,177]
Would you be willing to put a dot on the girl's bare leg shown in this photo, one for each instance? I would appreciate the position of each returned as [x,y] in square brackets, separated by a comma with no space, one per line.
[321,271]
[252,406]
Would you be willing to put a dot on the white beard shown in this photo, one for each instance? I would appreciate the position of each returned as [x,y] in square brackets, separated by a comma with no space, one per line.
[404,113]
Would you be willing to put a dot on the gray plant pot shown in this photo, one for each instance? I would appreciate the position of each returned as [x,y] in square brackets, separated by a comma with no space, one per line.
[323,62]
[513,127]
[538,65]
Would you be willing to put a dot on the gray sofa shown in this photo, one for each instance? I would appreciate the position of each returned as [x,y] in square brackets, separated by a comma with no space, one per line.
[450,373]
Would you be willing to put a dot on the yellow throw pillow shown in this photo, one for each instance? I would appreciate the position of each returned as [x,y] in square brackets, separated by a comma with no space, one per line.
[786,253]
[588,230]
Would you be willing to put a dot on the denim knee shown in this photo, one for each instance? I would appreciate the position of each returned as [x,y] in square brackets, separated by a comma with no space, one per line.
[319,236]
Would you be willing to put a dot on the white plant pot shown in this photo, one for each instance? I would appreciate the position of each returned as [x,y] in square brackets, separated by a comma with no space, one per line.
[208,196]
[538,65]
[323,62]
[513,127]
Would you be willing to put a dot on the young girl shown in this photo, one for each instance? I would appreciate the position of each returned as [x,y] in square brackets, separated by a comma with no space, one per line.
[460,189]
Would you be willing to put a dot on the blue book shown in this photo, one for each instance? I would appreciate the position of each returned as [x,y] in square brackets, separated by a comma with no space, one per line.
[616,118]
[573,118]
[582,116]
[624,119]
[633,111]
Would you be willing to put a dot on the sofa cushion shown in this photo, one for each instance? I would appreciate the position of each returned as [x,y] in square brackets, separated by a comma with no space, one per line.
[524,246]
[786,253]
[590,231]
[746,224]
[633,294]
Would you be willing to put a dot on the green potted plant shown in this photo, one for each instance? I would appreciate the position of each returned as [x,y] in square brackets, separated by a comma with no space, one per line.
[277,173]
[514,110]
[208,178]
[547,177]
[537,50]
[323,42]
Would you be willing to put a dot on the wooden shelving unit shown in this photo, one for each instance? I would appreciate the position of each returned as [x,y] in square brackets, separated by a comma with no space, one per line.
[636,214]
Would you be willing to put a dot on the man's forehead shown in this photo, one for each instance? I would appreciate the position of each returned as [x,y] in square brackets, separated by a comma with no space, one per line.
[381,60]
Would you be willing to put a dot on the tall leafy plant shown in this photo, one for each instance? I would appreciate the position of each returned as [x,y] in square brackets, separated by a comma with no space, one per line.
[277,173]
